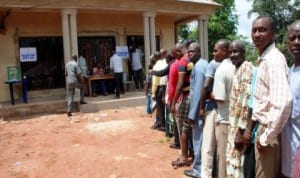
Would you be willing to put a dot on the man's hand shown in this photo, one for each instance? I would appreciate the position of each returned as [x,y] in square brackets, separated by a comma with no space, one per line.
[238,140]
[172,108]
[191,122]
[202,114]
[259,147]
[246,137]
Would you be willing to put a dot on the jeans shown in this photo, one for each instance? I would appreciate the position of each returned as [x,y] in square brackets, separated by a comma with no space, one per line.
[197,144]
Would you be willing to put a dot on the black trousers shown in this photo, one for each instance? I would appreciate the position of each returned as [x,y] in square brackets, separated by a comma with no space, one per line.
[138,79]
[160,115]
[119,83]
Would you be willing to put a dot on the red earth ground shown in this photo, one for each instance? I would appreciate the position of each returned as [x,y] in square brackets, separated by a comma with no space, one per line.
[108,144]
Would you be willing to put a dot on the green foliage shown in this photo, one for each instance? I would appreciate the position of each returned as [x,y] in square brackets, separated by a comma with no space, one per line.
[283,13]
[222,24]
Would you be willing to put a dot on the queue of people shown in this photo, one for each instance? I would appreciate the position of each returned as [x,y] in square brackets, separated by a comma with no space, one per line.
[231,118]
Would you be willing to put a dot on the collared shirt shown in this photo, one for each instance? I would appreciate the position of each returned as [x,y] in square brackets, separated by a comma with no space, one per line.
[290,136]
[156,80]
[116,63]
[272,97]
[221,89]
[72,71]
[197,81]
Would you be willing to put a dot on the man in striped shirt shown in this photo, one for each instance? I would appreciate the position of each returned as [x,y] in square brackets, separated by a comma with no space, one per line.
[272,98]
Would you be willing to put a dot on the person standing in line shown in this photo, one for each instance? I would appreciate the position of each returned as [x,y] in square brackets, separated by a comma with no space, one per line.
[158,92]
[74,80]
[180,104]
[238,110]
[272,98]
[208,114]
[137,69]
[84,69]
[197,81]
[116,65]
[290,136]
[221,92]
[172,71]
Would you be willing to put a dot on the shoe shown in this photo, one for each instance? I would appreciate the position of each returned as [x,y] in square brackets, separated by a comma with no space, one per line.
[105,94]
[190,173]
[69,114]
[174,146]
[116,97]
[161,128]
[83,102]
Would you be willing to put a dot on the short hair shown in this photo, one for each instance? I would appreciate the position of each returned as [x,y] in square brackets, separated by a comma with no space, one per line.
[296,22]
[272,23]
[240,43]
[224,43]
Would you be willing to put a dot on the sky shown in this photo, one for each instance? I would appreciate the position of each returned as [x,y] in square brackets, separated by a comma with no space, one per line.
[242,7]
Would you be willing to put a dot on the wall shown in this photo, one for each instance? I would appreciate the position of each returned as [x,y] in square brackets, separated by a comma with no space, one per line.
[26,23]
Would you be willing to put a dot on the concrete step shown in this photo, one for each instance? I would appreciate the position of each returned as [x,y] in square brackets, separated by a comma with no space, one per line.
[57,104]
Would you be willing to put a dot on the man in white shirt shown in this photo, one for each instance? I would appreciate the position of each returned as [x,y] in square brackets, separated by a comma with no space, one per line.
[116,65]
[137,69]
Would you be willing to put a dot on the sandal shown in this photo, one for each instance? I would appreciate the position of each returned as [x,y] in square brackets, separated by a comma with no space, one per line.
[179,163]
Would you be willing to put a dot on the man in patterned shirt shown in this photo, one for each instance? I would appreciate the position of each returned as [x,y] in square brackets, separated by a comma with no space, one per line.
[272,98]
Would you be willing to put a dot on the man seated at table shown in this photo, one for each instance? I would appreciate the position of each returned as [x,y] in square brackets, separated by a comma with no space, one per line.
[96,84]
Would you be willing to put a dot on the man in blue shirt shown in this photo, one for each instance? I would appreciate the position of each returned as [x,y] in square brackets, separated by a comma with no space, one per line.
[196,85]
[290,135]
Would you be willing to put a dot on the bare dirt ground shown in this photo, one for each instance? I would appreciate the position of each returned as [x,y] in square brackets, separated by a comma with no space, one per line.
[111,143]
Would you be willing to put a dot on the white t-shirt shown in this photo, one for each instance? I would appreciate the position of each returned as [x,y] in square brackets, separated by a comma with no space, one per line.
[116,63]
[136,60]
[222,87]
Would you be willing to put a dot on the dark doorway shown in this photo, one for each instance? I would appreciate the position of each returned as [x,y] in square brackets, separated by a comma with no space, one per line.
[137,41]
[97,50]
[48,71]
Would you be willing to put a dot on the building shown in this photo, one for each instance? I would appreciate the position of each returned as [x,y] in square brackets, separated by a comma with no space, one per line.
[54,30]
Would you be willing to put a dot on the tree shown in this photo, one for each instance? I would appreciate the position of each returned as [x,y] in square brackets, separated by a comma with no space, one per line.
[283,13]
[222,24]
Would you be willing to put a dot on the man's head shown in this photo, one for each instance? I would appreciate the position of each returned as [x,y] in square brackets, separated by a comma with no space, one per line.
[294,40]
[74,57]
[221,50]
[194,52]
[178,51]
[263,32]
[186,44]
[237,52]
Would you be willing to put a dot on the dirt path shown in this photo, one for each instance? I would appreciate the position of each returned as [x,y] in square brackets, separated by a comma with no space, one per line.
[109,144]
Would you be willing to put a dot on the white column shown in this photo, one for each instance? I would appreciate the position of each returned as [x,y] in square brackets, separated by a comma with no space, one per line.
[66,35]
[146,40]
[152,33]
[205,56]
[203,36]
[73,25]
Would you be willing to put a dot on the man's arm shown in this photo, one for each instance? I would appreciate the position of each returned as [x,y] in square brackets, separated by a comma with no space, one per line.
[195,96]
[205,93]
[178,90]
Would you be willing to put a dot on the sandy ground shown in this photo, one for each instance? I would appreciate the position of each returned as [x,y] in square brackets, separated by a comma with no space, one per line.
[111,143]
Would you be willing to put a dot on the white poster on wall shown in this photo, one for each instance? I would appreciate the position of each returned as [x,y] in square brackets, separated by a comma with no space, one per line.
[122,51]
[28,54]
